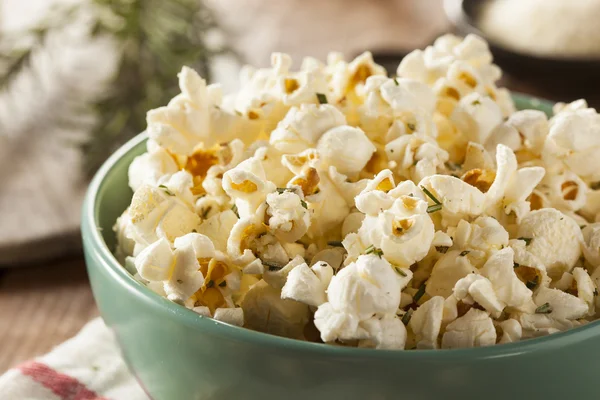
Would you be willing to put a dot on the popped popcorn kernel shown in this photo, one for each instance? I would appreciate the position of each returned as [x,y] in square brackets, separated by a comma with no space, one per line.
[336,204]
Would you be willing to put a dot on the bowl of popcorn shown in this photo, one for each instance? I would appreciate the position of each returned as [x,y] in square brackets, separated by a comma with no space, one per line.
[333,232]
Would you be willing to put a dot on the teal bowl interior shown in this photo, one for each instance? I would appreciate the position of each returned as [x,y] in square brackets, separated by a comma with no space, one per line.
[177,354]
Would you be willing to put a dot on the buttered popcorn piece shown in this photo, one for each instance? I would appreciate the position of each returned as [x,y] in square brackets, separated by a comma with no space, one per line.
[403,232]
[366,287]
[158,212]
[554,238]
[346,148]
[574,139]
[302,127]
[417,211]
[426,322]
[289,216]
[308,285]
[474,329]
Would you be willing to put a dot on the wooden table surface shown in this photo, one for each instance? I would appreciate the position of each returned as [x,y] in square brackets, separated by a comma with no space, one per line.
[42,306]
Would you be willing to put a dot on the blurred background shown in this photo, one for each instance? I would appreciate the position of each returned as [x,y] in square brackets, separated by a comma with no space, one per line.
[77,77]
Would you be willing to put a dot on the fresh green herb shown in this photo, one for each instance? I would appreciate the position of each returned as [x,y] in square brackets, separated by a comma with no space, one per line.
[464,253]
[179,281]
[582,226]
[194,231]
[544,309]
[516,265]
[206,211]
[238,113]
[476,103]
[322,98]
[374,250]
[400,272]
[335,243]
[303,203]
[419,293]
[166,190]
[396,81]
[210,284]
[223,284]
[433,208]
[532,283]
[272,266]
[283,190]
[526,240]
[595,185]
[411,126]
[406,317]
[235,210]
[415,162]
[442,249]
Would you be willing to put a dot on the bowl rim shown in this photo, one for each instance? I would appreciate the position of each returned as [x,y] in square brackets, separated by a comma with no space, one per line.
[104,258]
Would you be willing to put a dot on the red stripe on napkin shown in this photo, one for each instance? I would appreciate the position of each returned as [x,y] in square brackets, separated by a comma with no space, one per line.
[62,385]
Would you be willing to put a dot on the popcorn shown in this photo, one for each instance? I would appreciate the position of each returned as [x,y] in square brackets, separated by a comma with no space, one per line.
[458,198]
[265,310]
[289,216]
[149,167]
[420,211]
[125,245]
[302,127]
[591,243]
[386,332]
[586,288]
[155,262]
[476,288]
[554,239]
[484,235]
[159,213]
[426,323]
[574,141]
[511,331]
[474,329]
[362,289]
[450,268]
[247,184]
[511,187]
[564,190]
[185,277]
[532,128]
[477,116]
[509,289]
[559,304]
[346,148]
[231,316]
[218,228]
[403,232]
[345,78]
[308,285]
[416,156]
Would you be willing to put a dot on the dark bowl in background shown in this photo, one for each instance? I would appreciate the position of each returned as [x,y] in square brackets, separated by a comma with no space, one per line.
[563,72]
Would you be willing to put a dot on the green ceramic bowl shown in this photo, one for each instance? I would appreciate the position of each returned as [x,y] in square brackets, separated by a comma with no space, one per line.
[179,355]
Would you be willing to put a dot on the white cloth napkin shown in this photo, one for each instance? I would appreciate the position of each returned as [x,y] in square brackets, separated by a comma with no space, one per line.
[87,367]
